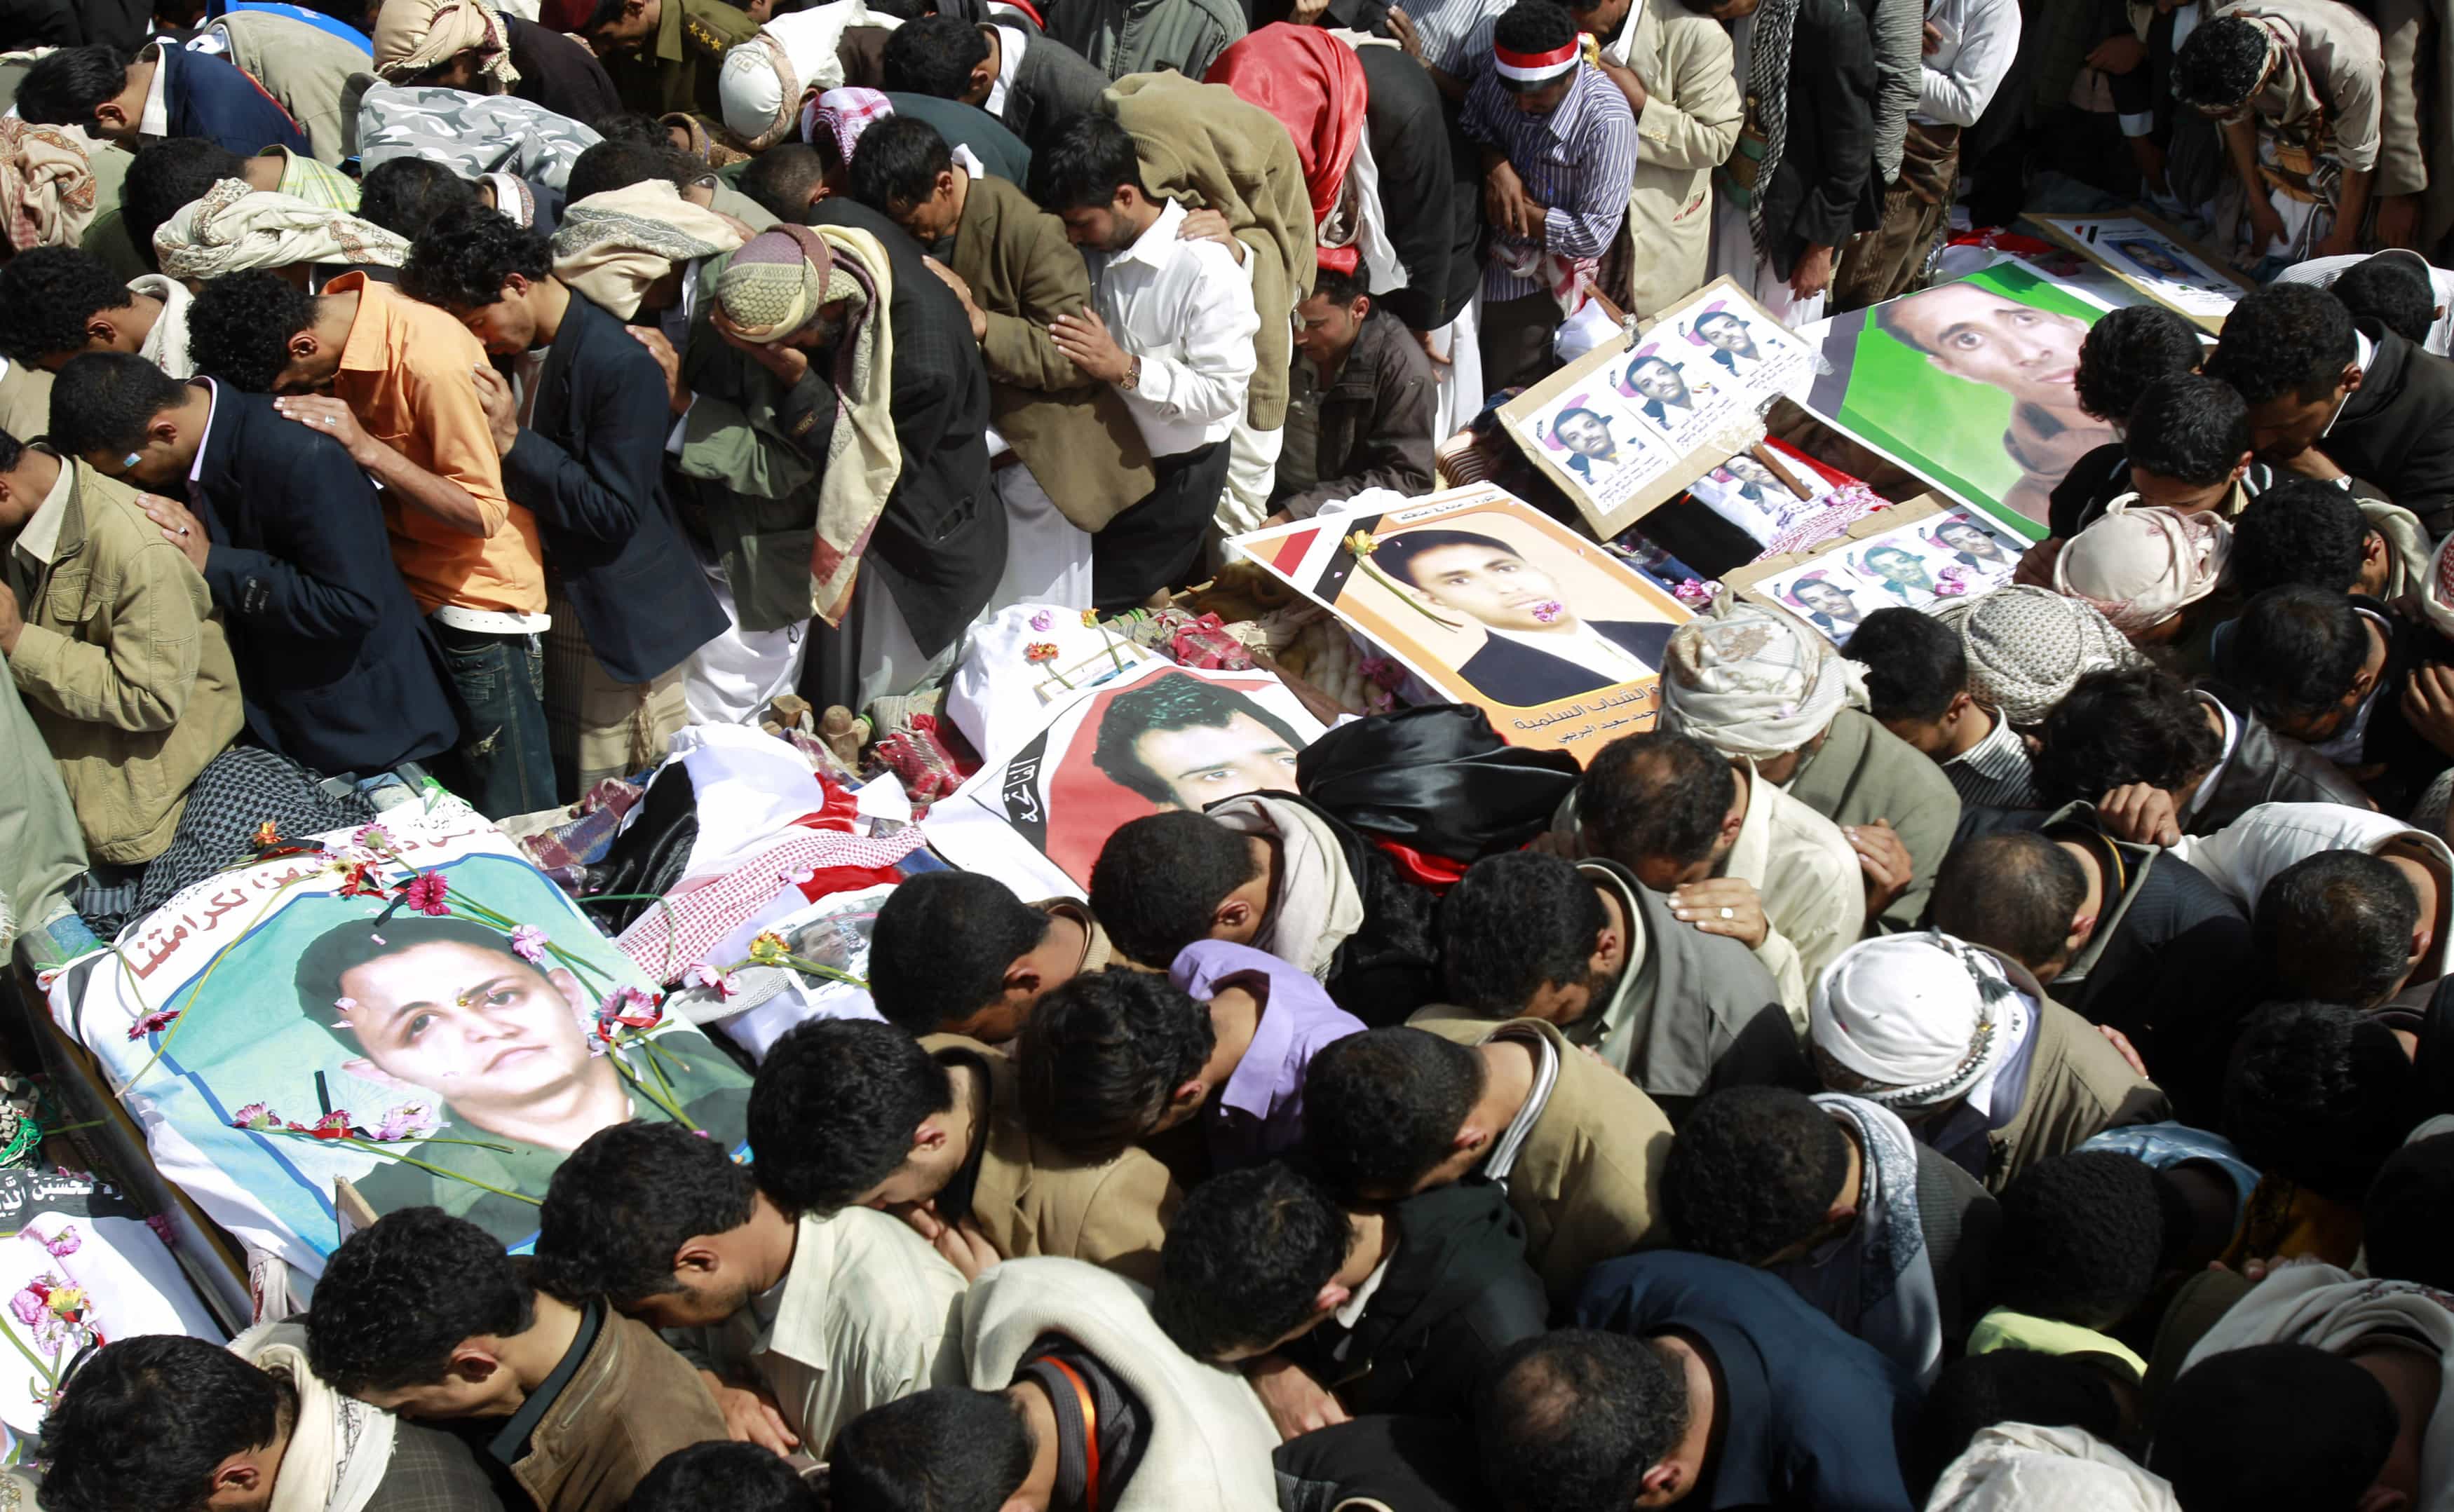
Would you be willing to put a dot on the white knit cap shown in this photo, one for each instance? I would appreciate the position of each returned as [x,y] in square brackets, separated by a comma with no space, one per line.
[1917,1015]
[1750,682]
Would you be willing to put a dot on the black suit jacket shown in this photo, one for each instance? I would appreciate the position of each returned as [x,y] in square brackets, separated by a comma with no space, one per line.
[1512,673]
[591,464]
[1052,85]
[2397,430]
[1826,186]
[940,545]
[336,664]
[1431,190]
[558,73]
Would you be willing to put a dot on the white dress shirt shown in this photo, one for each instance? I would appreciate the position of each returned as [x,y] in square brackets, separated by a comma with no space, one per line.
[1808,880]
[154,120]
[1185,308]
[1011,41]
[1978,39]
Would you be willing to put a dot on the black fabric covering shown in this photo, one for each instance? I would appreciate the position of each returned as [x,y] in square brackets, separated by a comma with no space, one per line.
[1436,778]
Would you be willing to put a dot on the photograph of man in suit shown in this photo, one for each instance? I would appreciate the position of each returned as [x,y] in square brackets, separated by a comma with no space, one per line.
[1535,649]
[1658,383]
[1728,337]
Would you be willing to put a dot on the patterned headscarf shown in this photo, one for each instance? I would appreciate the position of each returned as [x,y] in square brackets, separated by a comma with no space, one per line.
[1751,682]
[1768,45]
[776,283]
[46,185]
[611,246]
[1914,1019]
[414,35]
[2140,564]
[235,227]
[2027,646]
[839,116]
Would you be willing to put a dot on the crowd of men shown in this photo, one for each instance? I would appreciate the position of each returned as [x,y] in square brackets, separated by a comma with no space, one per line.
[1998,1061]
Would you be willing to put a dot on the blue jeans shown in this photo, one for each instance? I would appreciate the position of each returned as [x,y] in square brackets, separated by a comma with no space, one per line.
[503,765]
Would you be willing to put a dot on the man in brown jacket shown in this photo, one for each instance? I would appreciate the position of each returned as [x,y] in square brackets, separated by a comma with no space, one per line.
[853,1113]
[423,1314]
[1577,1147]
[111,638]
[1073,458]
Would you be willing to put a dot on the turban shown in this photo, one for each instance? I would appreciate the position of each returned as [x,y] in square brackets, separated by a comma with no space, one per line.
[234,228]
[414,35]
[839,116]
[1920,1019]
[762,81]
[774,285]
[1751,682]
[46,185]
[2027,646]
[611,246]
[2140,564]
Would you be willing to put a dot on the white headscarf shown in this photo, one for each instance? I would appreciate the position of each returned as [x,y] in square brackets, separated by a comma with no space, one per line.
[2139,565]
[339,1448]
[2021,1467]
[1753,682]
[1923,1017]
[235,227]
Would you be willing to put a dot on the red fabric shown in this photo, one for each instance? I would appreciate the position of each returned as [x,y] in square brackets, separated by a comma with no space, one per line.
[1438,873]
[1313,84]
[565,15]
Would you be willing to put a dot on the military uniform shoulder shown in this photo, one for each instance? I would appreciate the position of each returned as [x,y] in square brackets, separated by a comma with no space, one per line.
[713,27]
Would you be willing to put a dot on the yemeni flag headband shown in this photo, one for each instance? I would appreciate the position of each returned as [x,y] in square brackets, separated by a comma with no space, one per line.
[1536,68]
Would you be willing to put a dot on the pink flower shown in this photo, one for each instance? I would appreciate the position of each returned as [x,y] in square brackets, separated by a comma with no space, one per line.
[333,1126]
[1549,609]
[1041,621]
[702,974]
[425,893]
[152,1023]
[255,1116]
[28,1304]
[376,838]
[529,943]
[66,1242]
[410,1121]
[628,1008]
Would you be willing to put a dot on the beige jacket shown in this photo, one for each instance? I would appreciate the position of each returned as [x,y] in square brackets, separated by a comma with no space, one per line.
[122,665]
[867,1317]
[25,400]
[304,66]
[1809,880]
[1587,1180]
[2079,1086]
[1687,129]
[631,1401]
[2334,66]
[1034,1199]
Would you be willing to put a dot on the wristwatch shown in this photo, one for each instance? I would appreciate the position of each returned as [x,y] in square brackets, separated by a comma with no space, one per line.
[1132,378]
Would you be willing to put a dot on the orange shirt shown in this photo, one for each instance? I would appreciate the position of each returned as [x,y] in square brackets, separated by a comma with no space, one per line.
[406,373]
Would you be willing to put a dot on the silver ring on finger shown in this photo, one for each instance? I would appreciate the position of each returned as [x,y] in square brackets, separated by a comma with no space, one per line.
[1729,913]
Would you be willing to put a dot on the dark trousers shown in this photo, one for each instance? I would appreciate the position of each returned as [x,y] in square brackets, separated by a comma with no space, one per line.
[1155,543]
[504,763]
[1516,341]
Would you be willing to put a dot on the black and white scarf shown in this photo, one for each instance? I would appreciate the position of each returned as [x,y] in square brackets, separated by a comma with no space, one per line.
[1768,43]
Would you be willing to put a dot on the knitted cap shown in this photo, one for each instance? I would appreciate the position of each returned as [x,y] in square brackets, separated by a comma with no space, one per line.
[776,283]
[2027,646]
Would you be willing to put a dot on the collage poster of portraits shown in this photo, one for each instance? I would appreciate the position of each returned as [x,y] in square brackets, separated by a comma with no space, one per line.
[1968,385]
[1160,738]
[1623,428]
[1489,602]
[2154,259]
[411,1007]
[1927,564]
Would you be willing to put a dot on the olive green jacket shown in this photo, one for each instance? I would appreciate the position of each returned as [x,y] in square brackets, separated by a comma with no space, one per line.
[124,667]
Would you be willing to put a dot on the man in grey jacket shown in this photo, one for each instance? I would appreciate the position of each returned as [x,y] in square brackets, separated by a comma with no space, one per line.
[1373,395]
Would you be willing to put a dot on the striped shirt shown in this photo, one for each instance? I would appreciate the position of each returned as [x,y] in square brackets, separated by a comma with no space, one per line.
[1577,162]
[1995,773]
[1455,34]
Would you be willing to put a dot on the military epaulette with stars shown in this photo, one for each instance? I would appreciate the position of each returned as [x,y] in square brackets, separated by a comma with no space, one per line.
[705,36]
